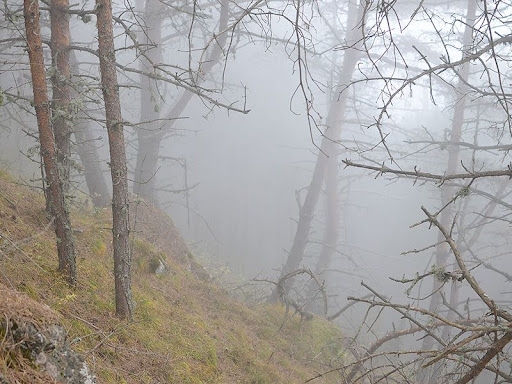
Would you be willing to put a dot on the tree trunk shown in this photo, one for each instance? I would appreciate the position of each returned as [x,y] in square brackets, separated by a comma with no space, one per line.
[330,239]
[86,148]
[61,77]
[118,168]
[55,196]
[88,153]
[442,250]
[328,148]
[151,136]
[146,166]
[151,133]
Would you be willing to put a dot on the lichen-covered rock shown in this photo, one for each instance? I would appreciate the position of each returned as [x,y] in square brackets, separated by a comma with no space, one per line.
[35,345]
[51,352]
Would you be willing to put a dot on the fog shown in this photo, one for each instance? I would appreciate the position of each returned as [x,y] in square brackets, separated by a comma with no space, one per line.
[234,183]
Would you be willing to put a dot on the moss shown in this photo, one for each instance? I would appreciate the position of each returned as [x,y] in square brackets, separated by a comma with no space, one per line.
[143,248]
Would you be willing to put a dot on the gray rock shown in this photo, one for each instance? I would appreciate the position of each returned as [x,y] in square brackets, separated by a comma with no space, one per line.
[49,349]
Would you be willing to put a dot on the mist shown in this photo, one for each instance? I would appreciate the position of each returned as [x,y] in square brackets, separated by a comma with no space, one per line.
[256,111]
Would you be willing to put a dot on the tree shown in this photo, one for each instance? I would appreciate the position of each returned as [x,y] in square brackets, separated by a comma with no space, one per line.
[61,87]
[158,122]
[328,151]
[56,191]
[465,334]
[118,167]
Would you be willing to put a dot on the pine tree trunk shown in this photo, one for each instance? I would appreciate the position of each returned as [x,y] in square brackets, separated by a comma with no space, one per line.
[88,153]
[55,196]
[61,77]
[146,166]
[118,168]
[151,133]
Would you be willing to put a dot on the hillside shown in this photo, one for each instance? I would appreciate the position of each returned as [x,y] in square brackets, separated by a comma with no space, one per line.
[187,329]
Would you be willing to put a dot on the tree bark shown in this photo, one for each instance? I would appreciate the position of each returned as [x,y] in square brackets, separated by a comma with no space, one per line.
[60,78]
[118,168]
[55,196]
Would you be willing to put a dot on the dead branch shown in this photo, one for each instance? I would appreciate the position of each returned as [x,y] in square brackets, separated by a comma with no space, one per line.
[282,291]
[492,351]
[466,273]
[431,176]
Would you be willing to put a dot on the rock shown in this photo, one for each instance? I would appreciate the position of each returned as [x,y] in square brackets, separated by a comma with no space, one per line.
[50,351]
[161,269]
[36,344]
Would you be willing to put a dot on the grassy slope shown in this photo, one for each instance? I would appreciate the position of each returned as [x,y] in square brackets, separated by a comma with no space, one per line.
[186,329]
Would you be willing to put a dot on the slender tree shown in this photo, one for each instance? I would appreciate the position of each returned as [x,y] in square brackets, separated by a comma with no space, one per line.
[330,237]
[152,133]
[118,168]
[150,138]
[61,88]
[55,192]
[447,192]
[328,146]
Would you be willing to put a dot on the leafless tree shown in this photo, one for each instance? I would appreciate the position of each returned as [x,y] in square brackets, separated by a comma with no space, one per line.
[463,335]
[328,151]
[158,116]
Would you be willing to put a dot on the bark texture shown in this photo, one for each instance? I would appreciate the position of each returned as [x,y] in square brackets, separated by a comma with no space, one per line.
[60,77]
[55,193]
[118,168]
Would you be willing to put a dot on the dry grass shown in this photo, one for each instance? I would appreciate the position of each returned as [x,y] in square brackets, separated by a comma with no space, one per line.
[18,309]
[186,329]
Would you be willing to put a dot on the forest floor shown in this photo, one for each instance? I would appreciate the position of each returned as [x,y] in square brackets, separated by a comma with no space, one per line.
[187,327]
